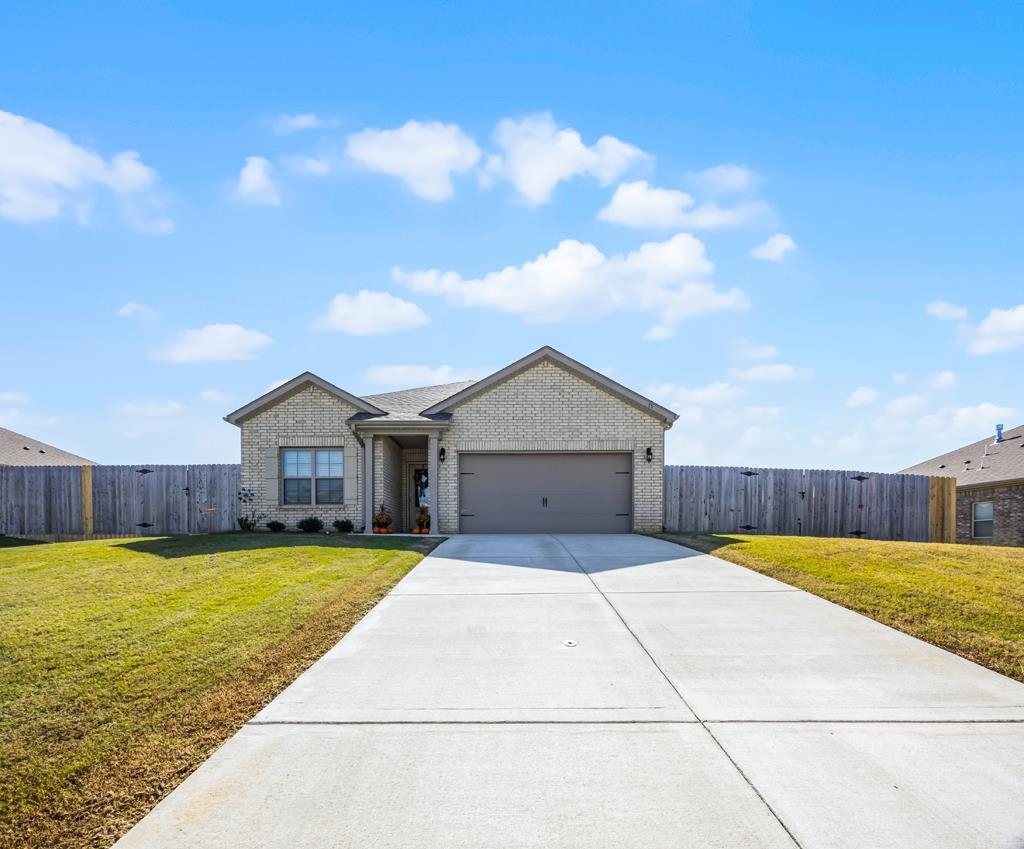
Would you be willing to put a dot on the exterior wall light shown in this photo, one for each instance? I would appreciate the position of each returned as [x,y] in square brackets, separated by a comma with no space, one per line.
[440,455]
[649,454]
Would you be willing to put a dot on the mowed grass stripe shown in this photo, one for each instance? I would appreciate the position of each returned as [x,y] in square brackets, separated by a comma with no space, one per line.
[125,663]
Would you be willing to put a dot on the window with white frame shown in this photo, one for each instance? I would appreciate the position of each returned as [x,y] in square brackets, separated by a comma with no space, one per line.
[312,476]
[982,520]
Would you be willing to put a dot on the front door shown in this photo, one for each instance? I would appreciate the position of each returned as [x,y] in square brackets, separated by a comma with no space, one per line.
[420,494]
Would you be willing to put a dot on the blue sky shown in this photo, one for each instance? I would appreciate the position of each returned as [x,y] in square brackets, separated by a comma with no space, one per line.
[796,224]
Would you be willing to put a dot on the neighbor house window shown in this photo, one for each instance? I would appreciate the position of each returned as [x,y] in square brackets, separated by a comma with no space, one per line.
[982,520]
[313,476]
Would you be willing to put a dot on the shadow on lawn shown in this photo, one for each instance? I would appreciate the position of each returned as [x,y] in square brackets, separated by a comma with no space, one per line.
[705,543]
[14,542]
[199,544]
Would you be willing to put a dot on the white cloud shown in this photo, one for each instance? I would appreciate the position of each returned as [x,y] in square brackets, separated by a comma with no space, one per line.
[1000,330]
[575,281]
[214,396]
[310,166]
[715,394]
[256,182]
[417,375]
[967,422]
[536,156]
[745,350]
[424,156]
[44,175]
[638,204]
[275,383]
[368,313]
[724,179]
[658,332]
[772,372]
[900,408]
[10,397]
[861,396]
[775,249]
[149,408]
[762,414]
[133,308]
[212,343]
[285,124]
[942,379]
[946,311]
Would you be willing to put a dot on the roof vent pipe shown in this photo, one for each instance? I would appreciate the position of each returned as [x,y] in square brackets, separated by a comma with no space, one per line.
[999,433]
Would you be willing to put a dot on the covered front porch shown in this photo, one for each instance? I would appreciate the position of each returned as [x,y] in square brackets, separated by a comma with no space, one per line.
[400,474]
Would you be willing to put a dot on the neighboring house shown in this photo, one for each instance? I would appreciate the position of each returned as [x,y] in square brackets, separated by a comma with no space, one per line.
[543,445]
[16,449]
[989,487]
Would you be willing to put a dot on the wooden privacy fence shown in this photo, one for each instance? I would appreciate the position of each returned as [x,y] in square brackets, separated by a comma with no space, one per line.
[810,502]
[70,501]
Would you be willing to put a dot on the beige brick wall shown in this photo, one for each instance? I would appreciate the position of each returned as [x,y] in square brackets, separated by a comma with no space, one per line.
[547,408]
[308,418]
[387,478]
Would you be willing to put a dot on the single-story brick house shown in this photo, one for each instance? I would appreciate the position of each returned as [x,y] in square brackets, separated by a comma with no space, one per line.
[989,487]
[546,444]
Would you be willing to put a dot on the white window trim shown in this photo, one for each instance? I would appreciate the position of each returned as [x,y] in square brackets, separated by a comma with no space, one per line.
[312,478]
[975,520]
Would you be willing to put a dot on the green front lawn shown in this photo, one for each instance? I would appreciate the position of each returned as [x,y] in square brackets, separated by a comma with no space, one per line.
[968,599]
[125,663]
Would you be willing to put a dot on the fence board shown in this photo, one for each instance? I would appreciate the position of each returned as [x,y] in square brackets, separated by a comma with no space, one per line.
[126,500]
[812,502]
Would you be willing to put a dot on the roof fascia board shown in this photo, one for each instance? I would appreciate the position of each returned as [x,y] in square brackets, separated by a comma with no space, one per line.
[547,352]
[276,394]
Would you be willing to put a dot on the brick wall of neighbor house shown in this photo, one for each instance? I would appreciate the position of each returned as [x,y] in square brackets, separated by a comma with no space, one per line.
[387,477]
[1007,509]
[309,418]
[546,408]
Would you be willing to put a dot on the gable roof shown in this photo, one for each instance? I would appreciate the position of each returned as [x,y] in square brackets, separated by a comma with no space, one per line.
[407,405]
[991,462]
[276,394]
[549,353]
[16,449]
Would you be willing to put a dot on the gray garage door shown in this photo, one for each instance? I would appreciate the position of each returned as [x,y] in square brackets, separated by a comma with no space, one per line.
[545,493]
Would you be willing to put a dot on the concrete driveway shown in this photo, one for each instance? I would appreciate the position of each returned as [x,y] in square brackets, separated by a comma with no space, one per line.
[613,691]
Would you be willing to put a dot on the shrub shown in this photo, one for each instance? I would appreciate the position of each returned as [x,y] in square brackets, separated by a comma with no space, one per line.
[310,525]
[343,526]
[275,527]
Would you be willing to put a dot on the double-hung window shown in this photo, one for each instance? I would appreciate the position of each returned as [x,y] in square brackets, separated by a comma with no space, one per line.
[982,519]
[312,476]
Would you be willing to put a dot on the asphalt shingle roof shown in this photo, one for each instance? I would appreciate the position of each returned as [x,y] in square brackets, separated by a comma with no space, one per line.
[16,449]
[990,462]
[407,404]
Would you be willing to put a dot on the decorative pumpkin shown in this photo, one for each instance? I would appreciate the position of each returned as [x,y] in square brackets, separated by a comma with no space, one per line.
[382,521]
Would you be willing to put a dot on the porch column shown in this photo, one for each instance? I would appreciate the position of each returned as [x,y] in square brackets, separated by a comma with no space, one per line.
[434,481]
[368,508]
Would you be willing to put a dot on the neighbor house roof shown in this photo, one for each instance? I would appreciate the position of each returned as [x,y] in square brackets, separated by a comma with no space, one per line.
[16,449]
[549,353]
[983,462]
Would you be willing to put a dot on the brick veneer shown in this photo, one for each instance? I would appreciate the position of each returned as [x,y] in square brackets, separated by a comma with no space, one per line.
[547,408]
[1007,508]
[308,418]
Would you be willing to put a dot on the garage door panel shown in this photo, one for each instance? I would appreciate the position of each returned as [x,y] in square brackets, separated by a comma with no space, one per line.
[545,493]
